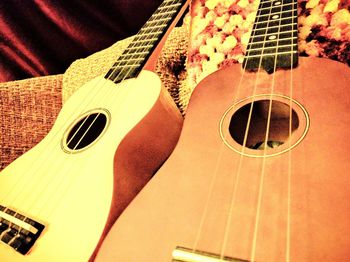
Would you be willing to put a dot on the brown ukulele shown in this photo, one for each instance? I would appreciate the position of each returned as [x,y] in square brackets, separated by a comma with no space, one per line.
[261,170]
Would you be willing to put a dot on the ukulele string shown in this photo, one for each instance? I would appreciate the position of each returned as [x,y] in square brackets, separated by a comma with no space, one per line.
[289,173]
[209,196]
[238,172]
[215,173]
[265,147]
[107,94]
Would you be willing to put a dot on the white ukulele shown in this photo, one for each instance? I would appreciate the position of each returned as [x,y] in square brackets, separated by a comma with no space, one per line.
[58,201]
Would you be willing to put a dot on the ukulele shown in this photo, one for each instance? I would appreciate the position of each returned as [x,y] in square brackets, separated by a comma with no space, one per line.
[261,169]
[58,201]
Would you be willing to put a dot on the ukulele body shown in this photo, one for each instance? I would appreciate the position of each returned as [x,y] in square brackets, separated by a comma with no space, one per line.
[290,206]
[78,194]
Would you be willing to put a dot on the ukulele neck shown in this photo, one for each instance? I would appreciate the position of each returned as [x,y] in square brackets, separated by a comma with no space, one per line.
[273,41]
[134,57]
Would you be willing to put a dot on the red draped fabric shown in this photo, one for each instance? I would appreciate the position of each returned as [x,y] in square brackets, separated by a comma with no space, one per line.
[42,37]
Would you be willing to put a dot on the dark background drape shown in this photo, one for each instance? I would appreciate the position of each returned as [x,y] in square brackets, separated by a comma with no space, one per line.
[42,37]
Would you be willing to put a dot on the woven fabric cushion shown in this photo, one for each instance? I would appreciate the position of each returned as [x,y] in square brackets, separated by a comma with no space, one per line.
[28,109]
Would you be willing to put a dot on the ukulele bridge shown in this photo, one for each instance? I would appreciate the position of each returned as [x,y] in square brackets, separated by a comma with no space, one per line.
[183,254]
[18,231]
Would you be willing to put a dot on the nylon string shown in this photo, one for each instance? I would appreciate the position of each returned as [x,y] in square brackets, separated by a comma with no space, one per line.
[262,177]
[215,173]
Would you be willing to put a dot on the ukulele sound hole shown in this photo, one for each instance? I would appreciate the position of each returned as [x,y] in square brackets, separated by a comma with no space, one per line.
[270,131]
[279,126]
[87,130]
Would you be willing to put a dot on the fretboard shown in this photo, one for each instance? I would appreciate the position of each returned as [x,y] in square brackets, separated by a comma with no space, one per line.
[134,57]
[273,41]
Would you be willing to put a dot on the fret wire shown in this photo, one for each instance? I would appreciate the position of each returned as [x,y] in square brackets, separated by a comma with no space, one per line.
[147,40]
[163,17]
[166,2]
[262,3]
[156,15]
[272,43]
[144,29]
[157,21]
[163,6]
[275,40]
[126,56]
[166,9]
[152,33]
[277,9]
[165,21]
[272,27]
[123,62]
[144,36]
[140,43]
[256,19]
[273,54]
[130,59]
[268,8]
[273,23]
[131,55]
[167,13]
[286,24]
[283,14]
[138,47]
[280,7]
[284,18]
[276,33]
[149,33]
[151,28]
[170,6]
[265,51]
[276,13]
[270,47]
[124,66]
